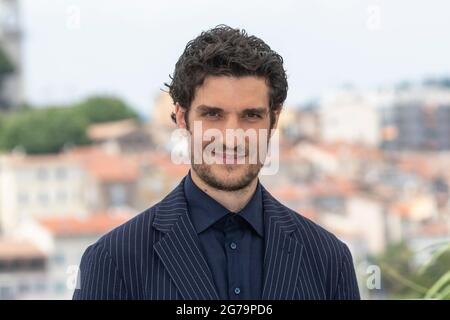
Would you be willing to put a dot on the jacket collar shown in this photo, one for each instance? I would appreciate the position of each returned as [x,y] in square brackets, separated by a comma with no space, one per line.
[205,211]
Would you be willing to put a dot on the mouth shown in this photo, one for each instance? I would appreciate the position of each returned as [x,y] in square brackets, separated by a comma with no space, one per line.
[228,157]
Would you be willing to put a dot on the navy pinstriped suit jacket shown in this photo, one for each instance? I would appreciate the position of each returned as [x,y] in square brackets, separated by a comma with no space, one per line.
[156,255]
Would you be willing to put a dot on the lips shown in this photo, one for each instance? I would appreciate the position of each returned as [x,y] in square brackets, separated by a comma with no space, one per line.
[228,156]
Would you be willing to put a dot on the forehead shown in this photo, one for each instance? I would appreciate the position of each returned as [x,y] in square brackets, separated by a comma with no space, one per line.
[230,93]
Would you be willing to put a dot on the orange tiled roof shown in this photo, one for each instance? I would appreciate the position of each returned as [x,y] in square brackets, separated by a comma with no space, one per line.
[162,161]
[331,186]
[401,209]
[354,149]
[419,166]
[435,229]
[111,130]
[95,224]
[106,166]
[15,249]
[309,213]
[289,193]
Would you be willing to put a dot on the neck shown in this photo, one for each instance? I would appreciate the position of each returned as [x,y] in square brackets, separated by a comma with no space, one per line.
[232,200]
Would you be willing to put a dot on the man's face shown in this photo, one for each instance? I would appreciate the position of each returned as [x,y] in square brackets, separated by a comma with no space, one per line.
[227,105]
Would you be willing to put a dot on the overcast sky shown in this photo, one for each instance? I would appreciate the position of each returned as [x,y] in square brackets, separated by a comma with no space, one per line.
[129,48]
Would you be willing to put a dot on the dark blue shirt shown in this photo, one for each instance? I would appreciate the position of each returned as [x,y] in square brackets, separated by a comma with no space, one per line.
[232,243]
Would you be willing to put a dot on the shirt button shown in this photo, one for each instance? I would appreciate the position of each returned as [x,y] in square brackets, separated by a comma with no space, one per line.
[237,290]
[233,245]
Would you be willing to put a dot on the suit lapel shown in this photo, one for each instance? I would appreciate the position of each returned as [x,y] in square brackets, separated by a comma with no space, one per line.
[179,249]
[282,251]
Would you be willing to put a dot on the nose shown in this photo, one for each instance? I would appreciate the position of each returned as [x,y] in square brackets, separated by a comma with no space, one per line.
[232,122]
[234,140]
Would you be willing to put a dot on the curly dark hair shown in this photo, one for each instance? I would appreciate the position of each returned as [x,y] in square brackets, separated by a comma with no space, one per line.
[232,52]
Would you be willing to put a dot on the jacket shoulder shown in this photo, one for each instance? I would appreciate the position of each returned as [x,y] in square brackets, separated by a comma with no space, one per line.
[136,235]
[313,229]
[329,257]
[130,234]
[316,237]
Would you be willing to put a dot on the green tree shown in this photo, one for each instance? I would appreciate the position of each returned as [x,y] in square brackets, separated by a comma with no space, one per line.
[403,279]
[44,131]
[48,130]
[105,108]
[6,65]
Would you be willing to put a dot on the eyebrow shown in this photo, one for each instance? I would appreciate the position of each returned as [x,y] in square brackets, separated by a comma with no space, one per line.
[204,108]
[258,110]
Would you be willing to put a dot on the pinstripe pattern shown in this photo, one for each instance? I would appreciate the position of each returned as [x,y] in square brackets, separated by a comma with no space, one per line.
[156,255]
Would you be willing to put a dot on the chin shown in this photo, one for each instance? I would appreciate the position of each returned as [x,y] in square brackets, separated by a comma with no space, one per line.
[227,171]
[227,177]
[232,176]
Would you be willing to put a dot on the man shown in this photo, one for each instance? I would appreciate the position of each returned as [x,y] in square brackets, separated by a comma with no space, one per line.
[220,234]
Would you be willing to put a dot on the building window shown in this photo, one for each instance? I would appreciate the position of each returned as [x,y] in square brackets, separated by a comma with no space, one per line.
[23,198]
[117,195]
[40,286]
[43,199]
[42,174]
[59,259]
[6,292]
[61,196]
[61,173]
[60,287]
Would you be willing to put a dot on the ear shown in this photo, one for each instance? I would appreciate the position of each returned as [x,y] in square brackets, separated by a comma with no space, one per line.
[180,116]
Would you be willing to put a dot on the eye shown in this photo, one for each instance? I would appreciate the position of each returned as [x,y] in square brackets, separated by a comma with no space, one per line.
[253,115]
[211,114]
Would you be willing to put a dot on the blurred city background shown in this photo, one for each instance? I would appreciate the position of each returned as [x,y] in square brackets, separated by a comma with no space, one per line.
[365,135]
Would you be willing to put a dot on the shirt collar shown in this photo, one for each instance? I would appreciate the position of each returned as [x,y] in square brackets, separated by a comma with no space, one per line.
[205,211]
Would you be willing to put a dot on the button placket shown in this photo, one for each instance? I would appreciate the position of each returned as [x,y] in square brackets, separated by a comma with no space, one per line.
[231,235]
